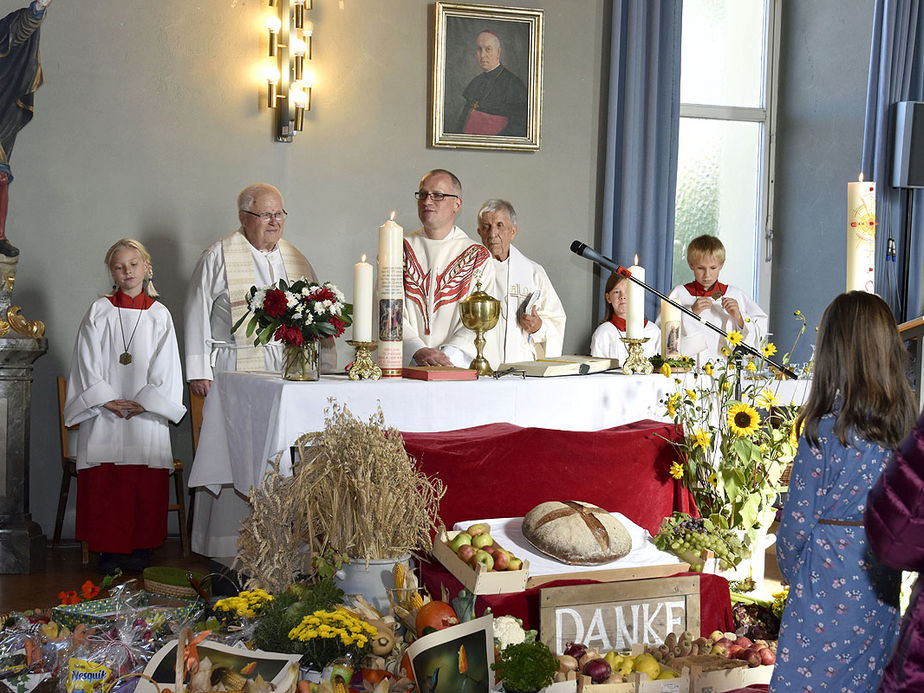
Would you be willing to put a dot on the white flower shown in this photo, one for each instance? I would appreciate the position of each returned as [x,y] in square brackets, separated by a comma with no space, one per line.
[291,299]
[306,290]
[257,300]
[297,314]
[319,308]
[308,318]
[508,631]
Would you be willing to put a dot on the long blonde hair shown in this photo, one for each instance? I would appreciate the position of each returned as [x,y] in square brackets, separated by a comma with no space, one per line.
[132,244]
[860,370]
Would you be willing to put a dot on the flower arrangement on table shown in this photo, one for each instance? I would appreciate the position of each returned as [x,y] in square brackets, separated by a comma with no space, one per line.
[324,636]
[736,438]
[299,315]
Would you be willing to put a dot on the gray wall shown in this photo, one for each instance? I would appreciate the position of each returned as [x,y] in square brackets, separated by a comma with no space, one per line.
[823,76]
[151,119]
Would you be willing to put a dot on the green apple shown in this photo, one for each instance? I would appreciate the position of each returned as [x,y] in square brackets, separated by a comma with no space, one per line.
[461,539]
[483,558]
[480,528]
[481,540]
[515,563]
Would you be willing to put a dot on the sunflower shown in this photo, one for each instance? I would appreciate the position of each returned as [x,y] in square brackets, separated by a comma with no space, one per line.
[707,369]
[676,470]
[734,337]
[691,394]
[672,402]
[743,419]
[767,399]
[666,370]
[769,349]
[726,351]
[701,437]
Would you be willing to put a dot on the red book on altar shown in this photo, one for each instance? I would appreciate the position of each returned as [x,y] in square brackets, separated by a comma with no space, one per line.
[439,373]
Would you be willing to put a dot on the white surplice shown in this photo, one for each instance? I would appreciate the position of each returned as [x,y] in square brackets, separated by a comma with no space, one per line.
[153,379]
[516,279]
[697,340]
[606,341]
[437,275]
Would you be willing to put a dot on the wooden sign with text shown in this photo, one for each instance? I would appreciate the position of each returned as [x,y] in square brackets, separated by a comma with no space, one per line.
[616,615]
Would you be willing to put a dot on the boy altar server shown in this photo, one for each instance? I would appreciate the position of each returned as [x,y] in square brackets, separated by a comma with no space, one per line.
[723,305]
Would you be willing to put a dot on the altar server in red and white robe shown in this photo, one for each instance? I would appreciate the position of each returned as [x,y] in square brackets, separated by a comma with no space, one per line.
[606,341]
[125,384]
[441,267]
[723,305]
[520,334]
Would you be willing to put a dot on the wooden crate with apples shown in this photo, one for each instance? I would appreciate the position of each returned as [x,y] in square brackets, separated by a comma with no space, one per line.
[477,578]
[725,675]
[681,684]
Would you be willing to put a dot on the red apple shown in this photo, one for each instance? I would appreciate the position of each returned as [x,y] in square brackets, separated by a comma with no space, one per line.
[744,642]
[733,650]
[480,528]
[515,563]
[483,558]
[467,552]
[482,540]
[491,549]
[724,642]
[767,656]
[752,658]
[501,559]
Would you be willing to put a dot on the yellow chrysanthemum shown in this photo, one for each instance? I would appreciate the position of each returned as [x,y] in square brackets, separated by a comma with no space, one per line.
[769,350]
[701,438]
[743,419]
[707,369]
[676,470]
[734,337]
[666,370]
[750,367]
[767,399]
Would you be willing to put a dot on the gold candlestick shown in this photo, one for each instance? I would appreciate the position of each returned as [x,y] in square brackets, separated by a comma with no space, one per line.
[364,368]
[480,312]
[636,361]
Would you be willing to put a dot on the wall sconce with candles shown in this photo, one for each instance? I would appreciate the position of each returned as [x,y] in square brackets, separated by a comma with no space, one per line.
[288,82]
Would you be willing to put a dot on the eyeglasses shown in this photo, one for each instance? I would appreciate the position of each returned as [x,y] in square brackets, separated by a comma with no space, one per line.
[435,196]
[266,216]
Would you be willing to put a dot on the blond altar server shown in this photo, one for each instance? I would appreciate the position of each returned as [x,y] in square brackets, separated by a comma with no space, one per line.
[532,321]
[441,267]
[253,255]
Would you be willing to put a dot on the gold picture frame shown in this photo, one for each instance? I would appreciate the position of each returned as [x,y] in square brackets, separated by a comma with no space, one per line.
[487,77]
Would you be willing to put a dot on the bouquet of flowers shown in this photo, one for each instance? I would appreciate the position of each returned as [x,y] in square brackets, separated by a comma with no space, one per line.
[737,438]
[295,314]
[324,636]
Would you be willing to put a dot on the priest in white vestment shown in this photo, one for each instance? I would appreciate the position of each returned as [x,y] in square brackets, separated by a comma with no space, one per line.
[441,267]
[532,321]
[253,255]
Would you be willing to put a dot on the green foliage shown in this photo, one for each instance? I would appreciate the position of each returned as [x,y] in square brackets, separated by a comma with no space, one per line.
[526,666]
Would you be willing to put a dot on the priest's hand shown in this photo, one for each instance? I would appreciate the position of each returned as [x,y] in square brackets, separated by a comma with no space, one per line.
[431,357]
[701,304]
[731,307]
[531,322]
[200,387]
[124,408]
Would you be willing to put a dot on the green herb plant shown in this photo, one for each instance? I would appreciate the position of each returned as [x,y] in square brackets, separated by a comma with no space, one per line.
[526,666]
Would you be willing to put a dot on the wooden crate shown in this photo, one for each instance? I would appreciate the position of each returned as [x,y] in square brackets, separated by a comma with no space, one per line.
[478,580]
[585,685]
[617,615]
[681,684]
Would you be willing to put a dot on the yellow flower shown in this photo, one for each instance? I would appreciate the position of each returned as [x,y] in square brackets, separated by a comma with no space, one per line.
[750,367]
[769,350]
[743,419]
[797,313]
[691,394]
[794,433]
[701,438]
[712,479]
[725,350]
[676,470]
[727,386]
[767,399]
[707,369]
[665,370]
[734,337]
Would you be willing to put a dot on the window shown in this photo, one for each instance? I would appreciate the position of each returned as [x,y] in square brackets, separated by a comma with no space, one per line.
[724,170]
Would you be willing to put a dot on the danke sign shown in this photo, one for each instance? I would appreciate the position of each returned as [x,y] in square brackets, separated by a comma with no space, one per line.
[617,615]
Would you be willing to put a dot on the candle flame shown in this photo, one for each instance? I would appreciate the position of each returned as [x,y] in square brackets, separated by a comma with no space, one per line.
[636,259]
[364,258]
[392,217]
[860,177]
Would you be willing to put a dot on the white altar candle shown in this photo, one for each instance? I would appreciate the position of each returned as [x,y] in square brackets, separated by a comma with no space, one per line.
[670,330]
[861,235]
[391,298]
[635,303]
[362,301]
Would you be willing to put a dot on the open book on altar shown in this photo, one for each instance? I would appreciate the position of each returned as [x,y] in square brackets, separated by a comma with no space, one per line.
[570,364]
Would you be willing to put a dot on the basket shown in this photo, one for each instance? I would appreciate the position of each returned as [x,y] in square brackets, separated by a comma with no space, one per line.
[165,590]
[172,582]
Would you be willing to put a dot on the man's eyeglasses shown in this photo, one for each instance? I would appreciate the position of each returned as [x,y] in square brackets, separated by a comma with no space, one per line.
[266,216]
[435,196]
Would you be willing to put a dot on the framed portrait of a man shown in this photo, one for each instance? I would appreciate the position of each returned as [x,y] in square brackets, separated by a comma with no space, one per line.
[487,77]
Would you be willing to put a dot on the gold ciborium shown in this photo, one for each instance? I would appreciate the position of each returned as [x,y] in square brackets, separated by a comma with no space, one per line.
[480,313]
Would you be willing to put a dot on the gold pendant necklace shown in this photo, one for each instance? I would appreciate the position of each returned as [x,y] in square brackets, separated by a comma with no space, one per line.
[126,357]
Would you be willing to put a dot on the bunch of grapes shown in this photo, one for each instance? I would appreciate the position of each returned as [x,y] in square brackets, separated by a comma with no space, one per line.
[689,537]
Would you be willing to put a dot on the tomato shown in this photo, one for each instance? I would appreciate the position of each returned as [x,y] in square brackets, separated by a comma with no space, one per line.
[436,614]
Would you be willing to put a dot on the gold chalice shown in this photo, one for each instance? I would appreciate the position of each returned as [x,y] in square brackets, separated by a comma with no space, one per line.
[480,312]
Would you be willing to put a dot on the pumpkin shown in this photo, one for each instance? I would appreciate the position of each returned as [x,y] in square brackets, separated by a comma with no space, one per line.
[436,615]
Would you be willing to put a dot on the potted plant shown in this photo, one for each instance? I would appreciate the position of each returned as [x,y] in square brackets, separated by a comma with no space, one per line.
[525,667]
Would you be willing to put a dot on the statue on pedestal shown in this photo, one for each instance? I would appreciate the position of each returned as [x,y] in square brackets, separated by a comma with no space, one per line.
[20,76]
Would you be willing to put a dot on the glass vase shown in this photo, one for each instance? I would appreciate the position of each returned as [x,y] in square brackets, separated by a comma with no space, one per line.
[301,362]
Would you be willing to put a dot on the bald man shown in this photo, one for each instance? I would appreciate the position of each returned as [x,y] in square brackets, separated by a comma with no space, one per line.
[496,100]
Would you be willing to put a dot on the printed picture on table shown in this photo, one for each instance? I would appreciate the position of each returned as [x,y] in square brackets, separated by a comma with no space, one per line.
[487,77]
[455,659]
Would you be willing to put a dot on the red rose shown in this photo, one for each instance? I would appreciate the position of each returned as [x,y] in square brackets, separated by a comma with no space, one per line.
[325,294]
[338,324]
[275,303]
[289,335]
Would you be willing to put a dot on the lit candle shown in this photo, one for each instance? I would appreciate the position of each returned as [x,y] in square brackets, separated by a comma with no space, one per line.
[391,298]
[362,301]
[861,235]
[635,303]
[670,330]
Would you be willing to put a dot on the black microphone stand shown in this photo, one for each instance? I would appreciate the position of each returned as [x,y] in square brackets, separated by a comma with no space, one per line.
[589,253]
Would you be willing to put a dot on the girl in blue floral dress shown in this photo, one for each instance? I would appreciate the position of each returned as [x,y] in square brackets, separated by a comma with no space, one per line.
[841,620]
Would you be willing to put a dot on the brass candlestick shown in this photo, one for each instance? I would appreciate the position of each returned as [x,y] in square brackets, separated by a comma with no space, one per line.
[480,312]
[364,368]
[636,361]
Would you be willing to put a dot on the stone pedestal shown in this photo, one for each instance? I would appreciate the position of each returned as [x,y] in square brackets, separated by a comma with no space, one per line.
[22,543]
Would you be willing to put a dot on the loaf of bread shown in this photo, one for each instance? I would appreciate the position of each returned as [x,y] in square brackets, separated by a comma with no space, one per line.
[576,533]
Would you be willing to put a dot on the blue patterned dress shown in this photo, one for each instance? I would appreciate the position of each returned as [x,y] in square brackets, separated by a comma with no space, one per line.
[841,620]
